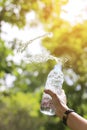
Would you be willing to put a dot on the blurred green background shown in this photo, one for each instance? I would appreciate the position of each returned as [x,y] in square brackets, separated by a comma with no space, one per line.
[20,99]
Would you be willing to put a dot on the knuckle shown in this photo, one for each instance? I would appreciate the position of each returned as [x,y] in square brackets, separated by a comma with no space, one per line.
[54,95]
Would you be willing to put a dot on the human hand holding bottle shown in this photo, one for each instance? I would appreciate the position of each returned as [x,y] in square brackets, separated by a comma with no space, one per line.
[59,102]
[70,118]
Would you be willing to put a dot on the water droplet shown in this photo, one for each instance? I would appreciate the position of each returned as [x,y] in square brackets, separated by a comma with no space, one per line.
[50,34]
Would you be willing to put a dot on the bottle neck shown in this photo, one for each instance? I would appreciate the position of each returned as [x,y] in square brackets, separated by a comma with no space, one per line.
[58,67]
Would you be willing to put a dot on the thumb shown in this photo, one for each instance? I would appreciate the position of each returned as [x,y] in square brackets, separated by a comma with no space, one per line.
[47,91]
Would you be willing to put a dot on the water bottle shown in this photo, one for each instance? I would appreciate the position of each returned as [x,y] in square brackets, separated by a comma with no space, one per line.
[54,83]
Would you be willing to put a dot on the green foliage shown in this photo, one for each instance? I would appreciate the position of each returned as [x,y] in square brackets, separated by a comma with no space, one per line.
[14,11]
[5,66]
[16,111]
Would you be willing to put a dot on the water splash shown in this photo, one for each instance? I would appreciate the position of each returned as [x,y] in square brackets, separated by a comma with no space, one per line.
[42,57]
[22,46]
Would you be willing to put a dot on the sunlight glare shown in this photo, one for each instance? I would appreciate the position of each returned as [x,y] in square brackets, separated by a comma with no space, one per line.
[75,11]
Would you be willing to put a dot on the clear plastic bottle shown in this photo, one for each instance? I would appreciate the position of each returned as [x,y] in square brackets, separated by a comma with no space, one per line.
[54,83]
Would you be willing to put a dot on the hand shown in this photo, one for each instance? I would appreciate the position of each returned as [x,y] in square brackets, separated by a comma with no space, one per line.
[59,102]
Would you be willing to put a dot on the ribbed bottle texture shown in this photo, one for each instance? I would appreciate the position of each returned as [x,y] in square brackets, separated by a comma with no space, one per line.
[54,83]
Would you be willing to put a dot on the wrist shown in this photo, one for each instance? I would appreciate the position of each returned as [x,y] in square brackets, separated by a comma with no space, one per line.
[62,111]
[65,115]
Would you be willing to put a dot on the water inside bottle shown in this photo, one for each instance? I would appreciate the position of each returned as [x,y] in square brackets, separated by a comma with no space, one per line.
[47,106]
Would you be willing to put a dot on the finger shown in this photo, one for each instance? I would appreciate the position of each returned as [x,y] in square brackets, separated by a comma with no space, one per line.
[52,94]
